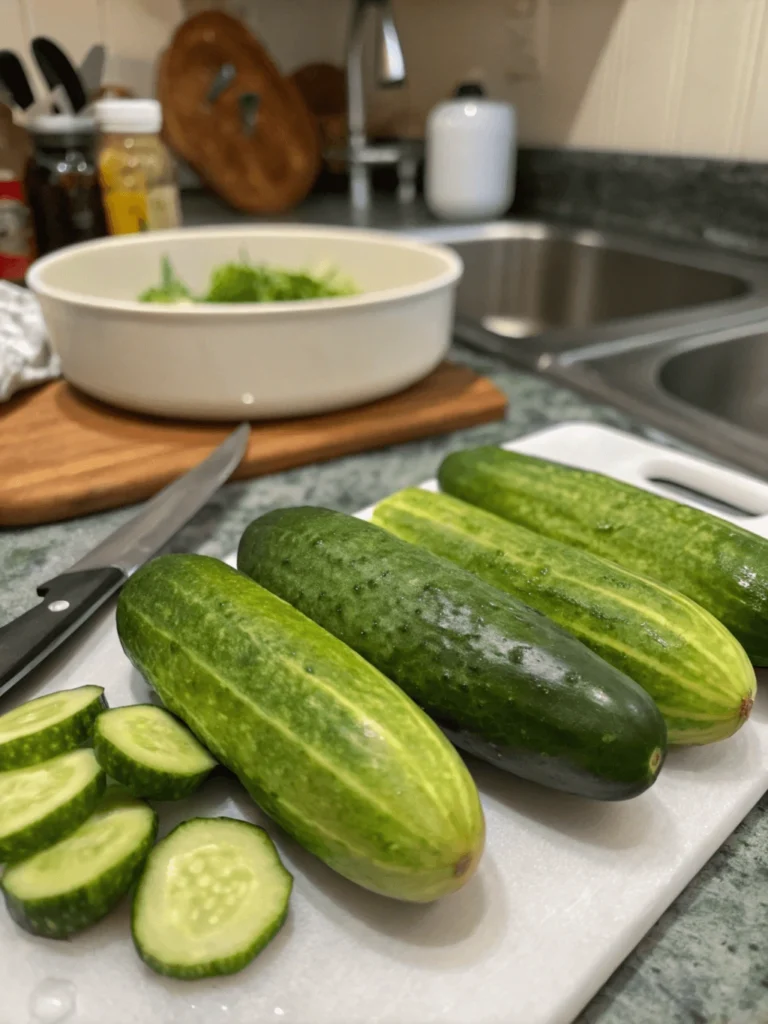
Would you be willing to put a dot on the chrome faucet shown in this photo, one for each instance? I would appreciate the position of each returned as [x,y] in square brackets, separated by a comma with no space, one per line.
[390,70]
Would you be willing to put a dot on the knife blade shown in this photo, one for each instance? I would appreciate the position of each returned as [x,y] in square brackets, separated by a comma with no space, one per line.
[71,598]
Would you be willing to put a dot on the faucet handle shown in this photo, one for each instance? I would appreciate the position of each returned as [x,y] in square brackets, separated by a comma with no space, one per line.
[407,171]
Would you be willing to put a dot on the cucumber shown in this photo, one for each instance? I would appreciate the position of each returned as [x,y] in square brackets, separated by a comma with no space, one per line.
[500,678]
[76,882]
[698,674]
[327,746]
[150,753]
[213,894]
[48,726]
[41,804]
[720,566]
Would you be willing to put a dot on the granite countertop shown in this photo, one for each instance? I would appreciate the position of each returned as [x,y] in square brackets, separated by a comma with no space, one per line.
[705,961]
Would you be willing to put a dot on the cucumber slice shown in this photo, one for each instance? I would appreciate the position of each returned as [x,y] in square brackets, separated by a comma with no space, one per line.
[77,881]
[48,726]
[213,894]
[41,804]
[150,752]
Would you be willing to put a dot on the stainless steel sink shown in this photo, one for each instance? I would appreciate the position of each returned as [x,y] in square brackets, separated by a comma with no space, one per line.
[710,389]
[543,290]
[674,336]
[728,379]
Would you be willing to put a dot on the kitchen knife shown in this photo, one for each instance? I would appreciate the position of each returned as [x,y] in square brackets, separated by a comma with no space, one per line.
[74,596]
[15,79]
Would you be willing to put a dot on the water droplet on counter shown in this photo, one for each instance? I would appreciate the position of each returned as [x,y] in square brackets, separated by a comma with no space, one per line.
[52,1001]
[201,1015]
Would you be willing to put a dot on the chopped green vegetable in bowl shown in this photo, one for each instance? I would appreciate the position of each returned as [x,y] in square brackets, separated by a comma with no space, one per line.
[245,282]
[170,289]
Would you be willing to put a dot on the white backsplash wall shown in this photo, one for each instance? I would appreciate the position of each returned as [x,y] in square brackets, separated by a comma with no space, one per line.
[671,76]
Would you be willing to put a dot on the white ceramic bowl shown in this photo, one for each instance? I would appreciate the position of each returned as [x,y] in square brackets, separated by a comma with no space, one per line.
[247,360]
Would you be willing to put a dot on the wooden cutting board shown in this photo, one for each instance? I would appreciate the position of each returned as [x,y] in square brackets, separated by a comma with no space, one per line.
[266,167]
[64,455]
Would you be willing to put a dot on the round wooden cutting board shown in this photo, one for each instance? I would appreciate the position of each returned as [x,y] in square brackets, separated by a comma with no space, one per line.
[268,168]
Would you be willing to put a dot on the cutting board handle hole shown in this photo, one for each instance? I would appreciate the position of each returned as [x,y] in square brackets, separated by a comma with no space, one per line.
[690,495]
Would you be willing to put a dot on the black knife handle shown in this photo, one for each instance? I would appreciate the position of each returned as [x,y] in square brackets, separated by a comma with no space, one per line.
[69,600]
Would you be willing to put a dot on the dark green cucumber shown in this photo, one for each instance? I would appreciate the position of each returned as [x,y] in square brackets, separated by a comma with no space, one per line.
[42,803]
[48,726]
[150,753]
[213,894]
[500,678]
[76,882]
[698,674]
[720,566]
[332,750]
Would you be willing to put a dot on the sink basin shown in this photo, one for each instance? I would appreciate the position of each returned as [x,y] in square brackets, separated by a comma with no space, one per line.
[710,389]
[546,289]
[728,379]
[528,283]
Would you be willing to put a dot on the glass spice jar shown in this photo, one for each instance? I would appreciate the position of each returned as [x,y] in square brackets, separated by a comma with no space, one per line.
[16,247]
[61,181]
[135,168]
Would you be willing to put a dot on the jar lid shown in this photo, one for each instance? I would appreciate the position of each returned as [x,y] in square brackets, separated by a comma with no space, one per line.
[144,117]
[62,124]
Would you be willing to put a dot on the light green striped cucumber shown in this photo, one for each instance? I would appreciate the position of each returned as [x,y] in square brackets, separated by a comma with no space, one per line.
[78,880]
[330,748]
[41,804]
[716,563]
[49,725]
[698,674]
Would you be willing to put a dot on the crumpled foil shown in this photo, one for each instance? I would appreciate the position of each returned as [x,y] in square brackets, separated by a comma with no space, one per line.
[26,357]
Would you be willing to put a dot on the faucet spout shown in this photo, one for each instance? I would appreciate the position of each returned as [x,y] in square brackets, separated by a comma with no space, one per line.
[390,62]
[390,68]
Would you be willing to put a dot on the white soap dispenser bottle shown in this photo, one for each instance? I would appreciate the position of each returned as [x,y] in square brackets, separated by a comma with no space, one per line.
[471,156]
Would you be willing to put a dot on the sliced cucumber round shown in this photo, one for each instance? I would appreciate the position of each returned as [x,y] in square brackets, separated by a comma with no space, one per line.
[213,894]
[41,804]
[150,752]
[76,882]
[48,726]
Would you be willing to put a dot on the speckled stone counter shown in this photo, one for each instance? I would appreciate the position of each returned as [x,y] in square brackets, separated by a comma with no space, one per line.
[721,203]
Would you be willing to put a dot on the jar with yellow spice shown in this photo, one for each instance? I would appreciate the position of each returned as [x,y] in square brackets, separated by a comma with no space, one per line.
[137,175]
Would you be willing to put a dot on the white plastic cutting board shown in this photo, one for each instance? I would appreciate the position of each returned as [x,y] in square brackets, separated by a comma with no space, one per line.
[565,889]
